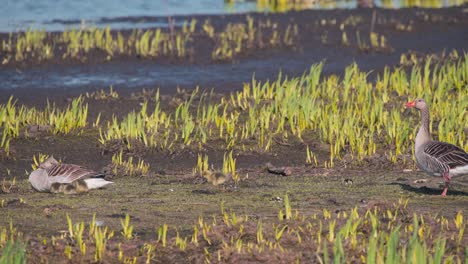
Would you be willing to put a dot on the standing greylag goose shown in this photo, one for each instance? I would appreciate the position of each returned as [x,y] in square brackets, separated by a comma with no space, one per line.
[434,157]
[53,176]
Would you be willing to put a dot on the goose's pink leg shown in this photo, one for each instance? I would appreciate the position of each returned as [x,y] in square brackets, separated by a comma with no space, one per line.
[447,183]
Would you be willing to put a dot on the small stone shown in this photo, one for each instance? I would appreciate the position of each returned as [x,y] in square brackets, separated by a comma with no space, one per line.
[420,181]
[47,212]
[287,172]
[277,199]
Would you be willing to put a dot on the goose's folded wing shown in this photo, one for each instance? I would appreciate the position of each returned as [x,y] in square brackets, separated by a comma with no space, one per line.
[448,154]
[67,173]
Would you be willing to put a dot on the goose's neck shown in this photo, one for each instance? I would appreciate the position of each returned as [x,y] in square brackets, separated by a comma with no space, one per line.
[424,135]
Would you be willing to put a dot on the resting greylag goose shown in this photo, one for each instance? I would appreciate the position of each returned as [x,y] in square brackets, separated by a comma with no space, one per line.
[53,176]
[434,157]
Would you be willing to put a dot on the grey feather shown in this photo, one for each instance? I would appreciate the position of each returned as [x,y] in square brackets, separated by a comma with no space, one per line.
[51,172]
[434,157]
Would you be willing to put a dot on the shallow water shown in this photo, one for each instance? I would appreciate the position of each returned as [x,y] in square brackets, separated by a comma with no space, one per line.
[225,77]
[57,15]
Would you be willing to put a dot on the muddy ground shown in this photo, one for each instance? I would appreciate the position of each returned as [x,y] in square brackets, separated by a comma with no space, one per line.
[423,31]
[171,194]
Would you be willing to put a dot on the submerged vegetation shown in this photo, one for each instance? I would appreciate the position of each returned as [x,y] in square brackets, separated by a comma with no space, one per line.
[237,38]
[412,58]
[202,40]
[376,235]
[81,44]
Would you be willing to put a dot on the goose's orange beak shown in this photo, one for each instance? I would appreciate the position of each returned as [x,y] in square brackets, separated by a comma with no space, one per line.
[410,104]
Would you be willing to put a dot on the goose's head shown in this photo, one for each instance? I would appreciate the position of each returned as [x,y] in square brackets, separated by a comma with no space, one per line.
[419,104]
[48,163]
